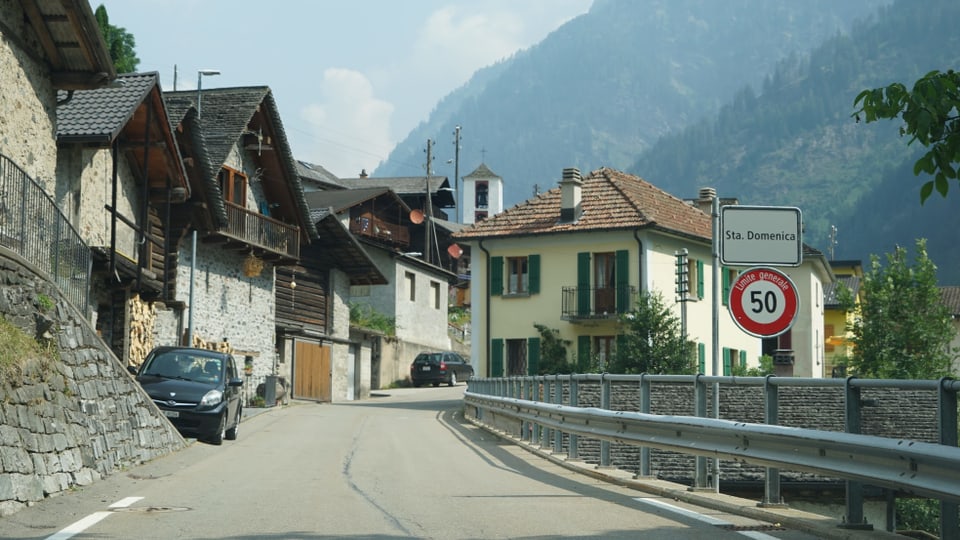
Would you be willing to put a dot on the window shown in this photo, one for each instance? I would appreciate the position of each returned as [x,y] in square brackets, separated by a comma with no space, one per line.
[233,186]
[359,290]
[411,280]
[516,357]
[435,289]
[695,275]
[482,191]
[479,215]
[605,347]
[517,275]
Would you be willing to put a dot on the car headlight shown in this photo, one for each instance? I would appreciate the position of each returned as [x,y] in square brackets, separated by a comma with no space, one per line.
[211,398]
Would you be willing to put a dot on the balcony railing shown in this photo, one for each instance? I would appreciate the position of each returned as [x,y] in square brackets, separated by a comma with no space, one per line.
[261,231]
[591,303]
[32,225]
[373,227]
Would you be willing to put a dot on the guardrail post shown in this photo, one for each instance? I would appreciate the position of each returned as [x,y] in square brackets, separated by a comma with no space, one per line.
[771,414]
[854,518]
[527,426]
[644,471]
[605,405]
[572,451]
[947,416]
[700,477]
[558,399]
[545,431]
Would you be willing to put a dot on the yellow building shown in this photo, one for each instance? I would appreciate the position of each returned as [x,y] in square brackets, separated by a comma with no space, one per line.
[575,257]
[837,345]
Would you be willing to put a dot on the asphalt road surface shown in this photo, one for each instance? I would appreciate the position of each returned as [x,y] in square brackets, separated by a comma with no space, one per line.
[401,465]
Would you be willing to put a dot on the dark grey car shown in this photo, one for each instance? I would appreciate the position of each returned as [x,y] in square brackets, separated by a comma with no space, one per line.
[197,389]
[439,367]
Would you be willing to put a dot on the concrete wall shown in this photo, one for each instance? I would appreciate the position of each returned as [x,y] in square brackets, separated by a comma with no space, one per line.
[71,421]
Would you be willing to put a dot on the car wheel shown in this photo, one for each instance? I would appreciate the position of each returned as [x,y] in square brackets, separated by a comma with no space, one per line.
[416,384]
[453,379]
[231,434]
[435,384]
[217,437]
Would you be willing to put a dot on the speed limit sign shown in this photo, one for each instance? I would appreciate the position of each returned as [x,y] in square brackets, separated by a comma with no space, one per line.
[763,302]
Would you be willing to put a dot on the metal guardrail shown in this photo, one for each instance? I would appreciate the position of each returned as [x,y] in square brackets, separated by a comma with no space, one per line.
[921,468]
[32,226]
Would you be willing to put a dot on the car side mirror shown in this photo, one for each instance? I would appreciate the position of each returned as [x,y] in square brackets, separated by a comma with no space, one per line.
[235,382]
[132,370]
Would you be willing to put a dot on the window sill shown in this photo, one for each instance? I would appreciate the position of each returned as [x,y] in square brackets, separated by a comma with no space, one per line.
[516,295]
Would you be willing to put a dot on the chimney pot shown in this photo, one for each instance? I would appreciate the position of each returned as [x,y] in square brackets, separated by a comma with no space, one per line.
[571,195]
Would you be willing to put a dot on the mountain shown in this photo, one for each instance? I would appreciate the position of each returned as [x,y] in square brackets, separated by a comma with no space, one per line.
[751,97]
[608,84]
[796,143]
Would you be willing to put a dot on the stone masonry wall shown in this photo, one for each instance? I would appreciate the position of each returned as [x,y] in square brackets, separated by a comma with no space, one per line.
[70,422]
[885,412]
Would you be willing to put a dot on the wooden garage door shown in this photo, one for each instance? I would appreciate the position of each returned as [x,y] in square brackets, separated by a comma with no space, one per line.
[311,371]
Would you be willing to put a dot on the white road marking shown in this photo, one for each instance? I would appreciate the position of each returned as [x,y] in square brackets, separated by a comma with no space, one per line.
[700,517]
[79,526]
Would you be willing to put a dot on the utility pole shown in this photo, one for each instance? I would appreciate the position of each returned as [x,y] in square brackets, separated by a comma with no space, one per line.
[428,206]
[456,171]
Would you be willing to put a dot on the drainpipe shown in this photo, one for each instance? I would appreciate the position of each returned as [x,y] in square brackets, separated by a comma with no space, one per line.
[639,260]
[486,317]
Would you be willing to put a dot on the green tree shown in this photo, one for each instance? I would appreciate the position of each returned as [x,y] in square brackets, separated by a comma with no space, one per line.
[652,340]
[120,43]
[902,330]
[930,116]
[553,352]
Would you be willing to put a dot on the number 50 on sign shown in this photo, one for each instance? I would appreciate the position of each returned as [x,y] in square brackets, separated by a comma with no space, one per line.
[763,302]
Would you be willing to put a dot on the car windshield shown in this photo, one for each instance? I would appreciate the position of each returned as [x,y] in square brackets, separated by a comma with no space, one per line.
[184,366]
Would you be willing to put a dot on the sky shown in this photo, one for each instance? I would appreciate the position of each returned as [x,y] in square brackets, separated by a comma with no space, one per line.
[351,77]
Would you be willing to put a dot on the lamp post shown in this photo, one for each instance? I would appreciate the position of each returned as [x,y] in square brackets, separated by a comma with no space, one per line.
[200,74]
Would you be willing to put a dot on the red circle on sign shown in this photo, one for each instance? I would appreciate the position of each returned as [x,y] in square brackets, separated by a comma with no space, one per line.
[763,302]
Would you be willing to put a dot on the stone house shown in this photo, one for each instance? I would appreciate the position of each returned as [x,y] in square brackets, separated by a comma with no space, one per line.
[119,178]
[415,292]
[246,216]
[576,257]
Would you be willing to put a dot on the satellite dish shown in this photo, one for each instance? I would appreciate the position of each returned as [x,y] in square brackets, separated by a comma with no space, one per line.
[416,216]
[455,251]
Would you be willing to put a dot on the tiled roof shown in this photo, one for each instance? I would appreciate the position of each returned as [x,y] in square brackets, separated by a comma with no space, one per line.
[317,174]
[99,115]
[830,299]
[482,172]
[950,296]
[401,185]
[611,200]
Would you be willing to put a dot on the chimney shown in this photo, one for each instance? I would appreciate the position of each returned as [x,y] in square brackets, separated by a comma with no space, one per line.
[570,196]
[705,199]
[363,173]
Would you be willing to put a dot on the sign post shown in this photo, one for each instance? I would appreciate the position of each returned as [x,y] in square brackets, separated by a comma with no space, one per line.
[763,302]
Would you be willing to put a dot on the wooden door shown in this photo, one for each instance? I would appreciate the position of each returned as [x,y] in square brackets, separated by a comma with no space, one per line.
[311,372]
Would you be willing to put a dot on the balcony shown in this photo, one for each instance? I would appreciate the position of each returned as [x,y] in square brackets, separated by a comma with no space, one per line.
[596,303]
[370,226]
[270,239]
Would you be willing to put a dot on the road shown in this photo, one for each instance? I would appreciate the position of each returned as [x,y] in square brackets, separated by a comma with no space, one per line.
[402,465]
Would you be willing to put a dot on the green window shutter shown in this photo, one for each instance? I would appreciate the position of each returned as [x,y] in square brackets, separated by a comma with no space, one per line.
[726,285]
[621,348]
[726,361]
[583,353]
[623,281]
[533,356]
[496,276]
[699,279]
[496,357]
[743,359]
[702,357]
[583,284]
[533,267]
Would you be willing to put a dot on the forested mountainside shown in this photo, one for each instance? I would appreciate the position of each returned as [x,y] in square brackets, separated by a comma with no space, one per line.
[795,143]
[607,85]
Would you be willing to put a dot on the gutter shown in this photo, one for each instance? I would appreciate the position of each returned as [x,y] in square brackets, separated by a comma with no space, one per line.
[486,321]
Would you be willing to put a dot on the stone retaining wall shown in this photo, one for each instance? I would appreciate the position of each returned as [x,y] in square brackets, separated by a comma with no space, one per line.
[70,422]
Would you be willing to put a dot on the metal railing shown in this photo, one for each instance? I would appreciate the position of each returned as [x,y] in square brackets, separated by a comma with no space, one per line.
[922,468]
[261,231]
[32,225]
[583,303]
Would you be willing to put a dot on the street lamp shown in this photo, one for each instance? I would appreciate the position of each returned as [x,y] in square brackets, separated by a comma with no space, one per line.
[200,74]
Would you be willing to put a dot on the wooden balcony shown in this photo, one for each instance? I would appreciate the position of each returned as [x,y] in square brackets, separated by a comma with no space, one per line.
[371,226]
[268,238]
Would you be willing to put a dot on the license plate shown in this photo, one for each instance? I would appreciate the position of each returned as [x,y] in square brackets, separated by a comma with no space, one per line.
[425,368]
[172,414]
